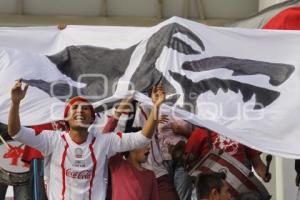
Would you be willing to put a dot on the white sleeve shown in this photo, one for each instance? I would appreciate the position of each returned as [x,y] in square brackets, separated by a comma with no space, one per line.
[120,142]
[44,141]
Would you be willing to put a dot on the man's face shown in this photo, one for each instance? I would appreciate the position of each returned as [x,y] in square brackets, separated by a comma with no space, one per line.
[224,193]
[141,154]
[80,115]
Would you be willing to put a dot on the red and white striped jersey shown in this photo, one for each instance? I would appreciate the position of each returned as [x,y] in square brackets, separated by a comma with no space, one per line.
[78,171]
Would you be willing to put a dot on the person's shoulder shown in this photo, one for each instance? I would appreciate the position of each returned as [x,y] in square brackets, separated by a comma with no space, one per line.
[149,172]
[54,133]
[58,132]
[118,156]
[95,131]
[200,131]
[60,135]
[100,136]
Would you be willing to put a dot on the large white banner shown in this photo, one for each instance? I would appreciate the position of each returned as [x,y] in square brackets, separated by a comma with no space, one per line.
[243,84]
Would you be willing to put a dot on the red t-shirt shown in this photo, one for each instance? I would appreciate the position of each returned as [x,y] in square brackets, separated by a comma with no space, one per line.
[198,144]
[129,183]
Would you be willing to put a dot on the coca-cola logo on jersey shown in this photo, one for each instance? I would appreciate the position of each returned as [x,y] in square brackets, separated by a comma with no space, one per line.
[85,174]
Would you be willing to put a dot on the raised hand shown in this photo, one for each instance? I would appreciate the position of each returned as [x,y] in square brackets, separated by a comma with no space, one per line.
[158,95]
[17,93]
[163,119]
[267,177]
[61,26]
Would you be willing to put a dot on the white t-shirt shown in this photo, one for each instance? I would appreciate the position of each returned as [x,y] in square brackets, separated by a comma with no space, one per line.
[79,171]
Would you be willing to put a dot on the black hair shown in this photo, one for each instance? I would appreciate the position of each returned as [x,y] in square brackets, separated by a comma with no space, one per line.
[206,182]
[125,154]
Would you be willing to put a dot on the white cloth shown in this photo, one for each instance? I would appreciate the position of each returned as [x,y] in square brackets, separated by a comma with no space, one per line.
[78,171]
[220,75]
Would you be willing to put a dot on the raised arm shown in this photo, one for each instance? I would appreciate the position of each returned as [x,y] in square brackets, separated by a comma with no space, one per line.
[120,142]
[158,97]
[17,94]
[124,106]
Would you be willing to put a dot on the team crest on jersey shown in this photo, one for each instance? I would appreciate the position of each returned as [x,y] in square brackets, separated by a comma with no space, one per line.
[78,153]
[79,163]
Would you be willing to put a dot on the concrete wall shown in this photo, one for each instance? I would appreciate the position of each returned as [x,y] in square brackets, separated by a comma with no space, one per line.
[266,3]
[144,8]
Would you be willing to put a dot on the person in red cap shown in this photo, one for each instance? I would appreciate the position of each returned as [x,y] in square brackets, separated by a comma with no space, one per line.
[77,159]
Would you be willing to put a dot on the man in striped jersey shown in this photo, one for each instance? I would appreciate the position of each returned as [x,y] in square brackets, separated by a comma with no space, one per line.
[77,159]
